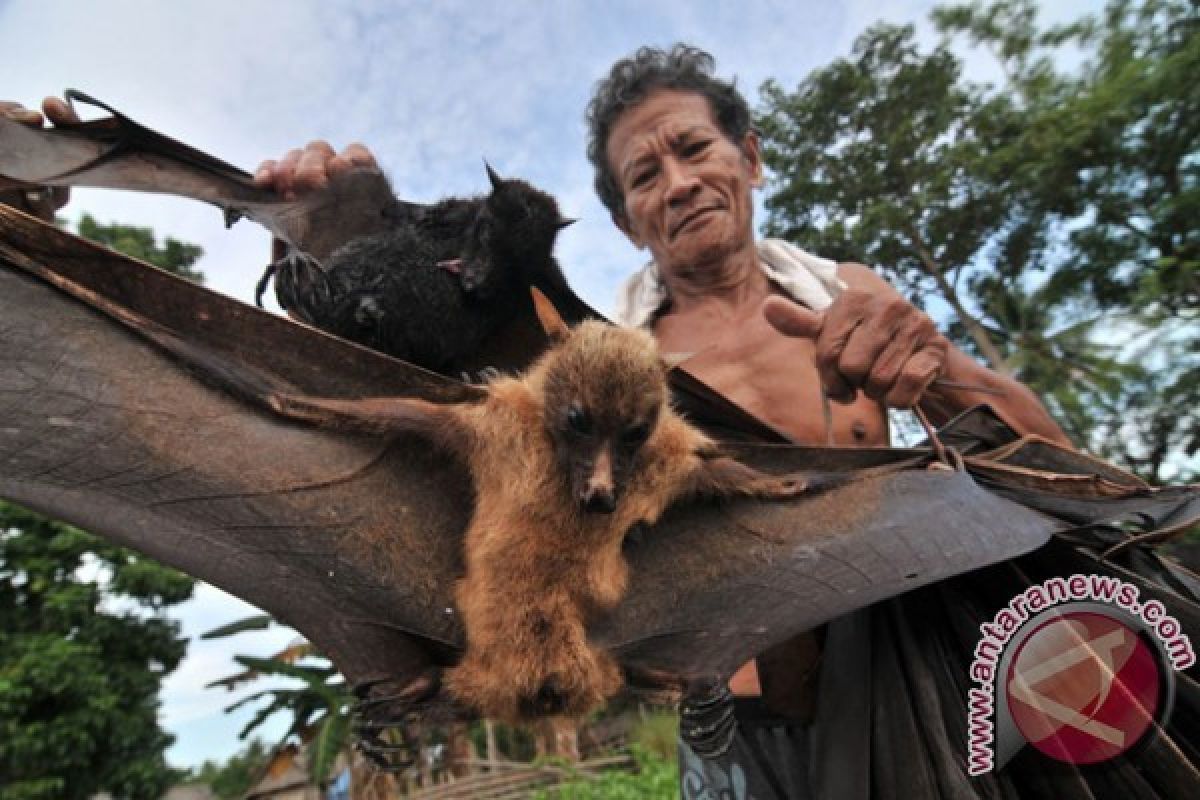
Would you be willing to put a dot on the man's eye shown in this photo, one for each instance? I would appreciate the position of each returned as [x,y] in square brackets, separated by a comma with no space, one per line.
[695,148]
[642,178]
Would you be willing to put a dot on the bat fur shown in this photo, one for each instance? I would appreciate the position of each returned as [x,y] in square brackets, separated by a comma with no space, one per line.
[565,460]
[436,286]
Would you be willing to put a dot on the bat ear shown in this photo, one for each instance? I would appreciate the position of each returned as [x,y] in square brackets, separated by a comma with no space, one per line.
[552,323]
[492,176]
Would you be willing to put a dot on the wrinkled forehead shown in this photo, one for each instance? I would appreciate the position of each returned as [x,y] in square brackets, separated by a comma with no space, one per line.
[662,118]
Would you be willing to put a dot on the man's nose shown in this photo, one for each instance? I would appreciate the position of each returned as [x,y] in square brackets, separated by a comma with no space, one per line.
[681,183]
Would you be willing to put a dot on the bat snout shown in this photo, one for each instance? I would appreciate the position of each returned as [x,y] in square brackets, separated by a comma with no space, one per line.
[600,501]
[600,491]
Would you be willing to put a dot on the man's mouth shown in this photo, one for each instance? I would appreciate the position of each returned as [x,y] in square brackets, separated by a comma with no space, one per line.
[690,218]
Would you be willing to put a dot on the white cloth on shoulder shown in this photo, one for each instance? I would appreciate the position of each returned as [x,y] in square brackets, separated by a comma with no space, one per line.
[808,279]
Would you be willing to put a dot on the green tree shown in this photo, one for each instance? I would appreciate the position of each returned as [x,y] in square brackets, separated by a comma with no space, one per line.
[1052,214]
[85,641]
[140,243]
[84,646]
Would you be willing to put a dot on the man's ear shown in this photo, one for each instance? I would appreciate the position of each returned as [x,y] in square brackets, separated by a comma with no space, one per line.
[552,322]
[753,158]
[622,222]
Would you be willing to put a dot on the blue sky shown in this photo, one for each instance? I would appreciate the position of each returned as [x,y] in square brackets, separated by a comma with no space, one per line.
[432,88]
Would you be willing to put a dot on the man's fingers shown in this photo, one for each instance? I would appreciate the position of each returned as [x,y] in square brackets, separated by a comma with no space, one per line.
[889,363]
[338,165]
[791,319]
[312,171]
[920,371]
[265,174]
[358,155]
[309,169]
[59,111]
[285,172]
[19,113]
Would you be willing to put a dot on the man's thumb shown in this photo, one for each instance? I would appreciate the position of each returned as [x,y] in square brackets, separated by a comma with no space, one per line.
[792,319]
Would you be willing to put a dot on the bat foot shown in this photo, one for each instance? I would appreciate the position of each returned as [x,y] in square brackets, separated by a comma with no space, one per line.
[420,691]
[388,724]
[300,282]
[706,721]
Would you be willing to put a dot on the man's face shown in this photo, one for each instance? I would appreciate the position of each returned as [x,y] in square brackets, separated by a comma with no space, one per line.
[686,185]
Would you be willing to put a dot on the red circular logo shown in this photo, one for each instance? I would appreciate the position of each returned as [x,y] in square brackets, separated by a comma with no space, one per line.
[1083,687]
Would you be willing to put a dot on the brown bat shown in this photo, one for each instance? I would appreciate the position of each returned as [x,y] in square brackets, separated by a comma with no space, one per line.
[135,405]
[564,462]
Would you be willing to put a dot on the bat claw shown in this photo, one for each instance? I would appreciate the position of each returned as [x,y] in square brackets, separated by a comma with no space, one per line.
[300,282]
[384,721]
[451,265]
[706,721]
[422,689]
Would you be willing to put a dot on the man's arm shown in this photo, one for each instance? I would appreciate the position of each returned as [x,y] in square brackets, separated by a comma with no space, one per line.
[873,340]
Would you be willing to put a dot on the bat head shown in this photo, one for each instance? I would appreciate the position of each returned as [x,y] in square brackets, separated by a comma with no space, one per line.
[605,390]
[514,232]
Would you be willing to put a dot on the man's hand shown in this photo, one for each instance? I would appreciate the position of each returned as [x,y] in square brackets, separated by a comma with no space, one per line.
[874,341]
[310,169]
[42,203]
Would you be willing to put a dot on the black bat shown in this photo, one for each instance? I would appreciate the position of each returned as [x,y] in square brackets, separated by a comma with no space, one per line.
[131,405]
[433,289]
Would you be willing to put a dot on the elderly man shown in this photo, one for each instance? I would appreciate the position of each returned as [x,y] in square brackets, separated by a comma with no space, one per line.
[775,329]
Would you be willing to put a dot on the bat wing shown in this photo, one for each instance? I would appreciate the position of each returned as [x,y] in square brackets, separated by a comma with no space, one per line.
[714,585]
[352,540]
[117,153]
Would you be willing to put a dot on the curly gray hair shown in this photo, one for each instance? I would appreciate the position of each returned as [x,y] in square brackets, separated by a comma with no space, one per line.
[630,81]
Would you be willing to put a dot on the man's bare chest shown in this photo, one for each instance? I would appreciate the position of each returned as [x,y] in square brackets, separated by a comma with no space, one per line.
[772,376]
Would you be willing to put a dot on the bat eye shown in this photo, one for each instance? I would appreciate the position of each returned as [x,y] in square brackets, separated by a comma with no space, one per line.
[579,420]
[636,435]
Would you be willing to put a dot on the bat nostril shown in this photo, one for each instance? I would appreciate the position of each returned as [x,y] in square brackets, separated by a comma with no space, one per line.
[601,502]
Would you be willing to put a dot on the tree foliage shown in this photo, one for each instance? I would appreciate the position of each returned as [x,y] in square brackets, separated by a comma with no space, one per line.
[84,646]
[1052,214]
[320,706]
[85,642]
[140,243]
